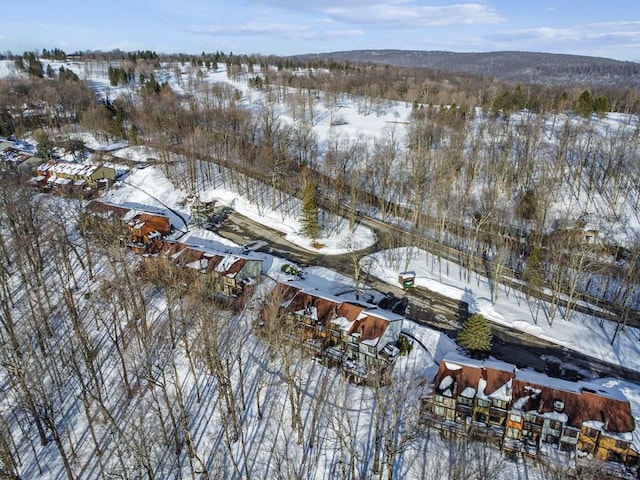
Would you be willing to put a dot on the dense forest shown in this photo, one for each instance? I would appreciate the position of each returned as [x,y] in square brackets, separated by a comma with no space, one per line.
[524,67]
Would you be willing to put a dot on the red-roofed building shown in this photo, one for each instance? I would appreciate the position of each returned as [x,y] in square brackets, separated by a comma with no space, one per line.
[146,228]
[361,338]
[143,231]
[531,412]
[229,273]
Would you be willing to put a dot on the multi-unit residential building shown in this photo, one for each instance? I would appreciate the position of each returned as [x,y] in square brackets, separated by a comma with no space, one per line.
[360,337]
[67,177]
[146,227]
[228,274]
[138,229]
[15,159]
[529,412]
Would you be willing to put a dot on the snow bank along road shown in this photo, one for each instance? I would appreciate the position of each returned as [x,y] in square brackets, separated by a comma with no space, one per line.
[432,309]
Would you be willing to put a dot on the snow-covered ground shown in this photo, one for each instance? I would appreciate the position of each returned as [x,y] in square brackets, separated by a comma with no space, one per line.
[149,186]
[582,333]
[265,440]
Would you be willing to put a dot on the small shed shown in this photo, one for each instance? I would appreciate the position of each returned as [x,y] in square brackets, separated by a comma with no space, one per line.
[407,279]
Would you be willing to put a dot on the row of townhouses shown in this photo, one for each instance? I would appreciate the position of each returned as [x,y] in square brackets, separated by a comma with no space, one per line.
[228,274]
[359,337]
[17,157]
[145,232]
[139,229]
[530,412]
[67,178]
[521,410]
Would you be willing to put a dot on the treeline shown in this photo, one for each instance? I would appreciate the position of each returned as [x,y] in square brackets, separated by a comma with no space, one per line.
[419,85]
[470,174]
[28,104]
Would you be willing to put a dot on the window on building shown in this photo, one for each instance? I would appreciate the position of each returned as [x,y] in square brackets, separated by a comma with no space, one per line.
[588,447]
[496,419]
[555,425]
[567,447]
[621,444]
[443,412]
[499,403]
[513,433]
[483,403]
[570,432]
[615,457]
[532,418]
[480,417]
[551,438]
[590,432]
[514,417]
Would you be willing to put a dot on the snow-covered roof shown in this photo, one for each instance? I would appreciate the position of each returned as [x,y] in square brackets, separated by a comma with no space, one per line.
[208,260]
[541,379]
[366,323]
[468,392]
[573,403]
[68,168]
[342,323]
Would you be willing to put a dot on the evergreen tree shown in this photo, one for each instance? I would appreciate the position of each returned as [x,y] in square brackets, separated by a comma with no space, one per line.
[584,104]
[533,273]
[519,102]
[201,212]
[310,210]
[7,124]
[601,105]
[527,207]
[475,335]
[34,68]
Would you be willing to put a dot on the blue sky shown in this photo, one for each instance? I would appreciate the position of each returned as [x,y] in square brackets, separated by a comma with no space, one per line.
[286,27]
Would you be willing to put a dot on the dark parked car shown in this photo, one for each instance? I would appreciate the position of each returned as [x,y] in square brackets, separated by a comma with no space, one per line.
[387,300]
[400,306]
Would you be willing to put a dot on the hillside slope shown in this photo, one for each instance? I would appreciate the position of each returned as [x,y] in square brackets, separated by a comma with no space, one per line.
[524,67]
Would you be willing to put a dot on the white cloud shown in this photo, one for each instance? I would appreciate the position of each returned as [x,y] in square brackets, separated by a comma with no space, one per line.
[541,33]
[406,15]
[393,13]
[621,24]
[587,33]
[253,28]
[605,39]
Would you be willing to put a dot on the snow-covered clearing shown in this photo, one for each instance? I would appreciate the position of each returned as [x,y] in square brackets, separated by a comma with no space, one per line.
[149,186]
